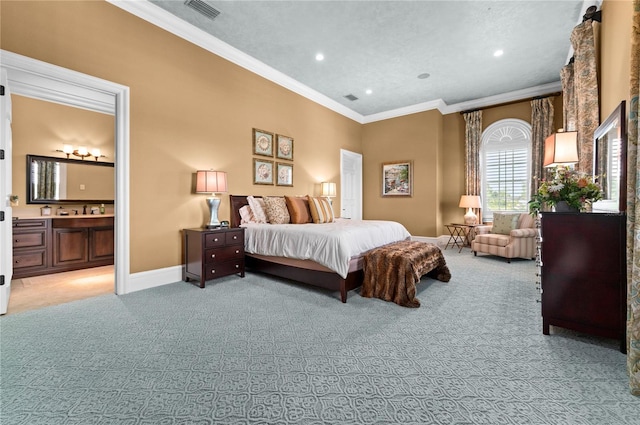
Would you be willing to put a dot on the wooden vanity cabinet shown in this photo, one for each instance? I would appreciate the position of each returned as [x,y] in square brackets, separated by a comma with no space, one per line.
[52,245]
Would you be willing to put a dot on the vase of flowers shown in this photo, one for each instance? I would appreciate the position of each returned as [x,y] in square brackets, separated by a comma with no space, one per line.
[569,190]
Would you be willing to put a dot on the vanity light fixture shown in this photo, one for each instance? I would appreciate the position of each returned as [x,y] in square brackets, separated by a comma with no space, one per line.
[209,181]
[81,151]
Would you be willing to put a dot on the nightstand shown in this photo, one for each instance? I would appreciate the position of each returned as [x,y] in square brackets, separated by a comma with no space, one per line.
[212,253]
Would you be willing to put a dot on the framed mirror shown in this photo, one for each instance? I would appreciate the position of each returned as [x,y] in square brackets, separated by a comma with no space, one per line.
[69,181]
[610,161]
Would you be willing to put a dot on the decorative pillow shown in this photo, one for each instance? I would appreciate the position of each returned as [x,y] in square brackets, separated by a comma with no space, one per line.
[257,208]
[276,209]
[246,215]
[298,207]
[504,223]
[321,211]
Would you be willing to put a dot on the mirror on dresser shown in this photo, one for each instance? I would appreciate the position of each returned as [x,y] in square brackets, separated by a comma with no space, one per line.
[59,180]
[610,161]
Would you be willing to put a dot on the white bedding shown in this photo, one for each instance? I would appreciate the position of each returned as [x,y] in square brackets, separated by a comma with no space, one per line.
[329,244]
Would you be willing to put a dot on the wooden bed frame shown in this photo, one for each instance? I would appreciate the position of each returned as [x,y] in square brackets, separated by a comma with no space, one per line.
[322,279]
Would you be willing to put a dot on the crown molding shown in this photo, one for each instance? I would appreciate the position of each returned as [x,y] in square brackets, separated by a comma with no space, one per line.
[161,18]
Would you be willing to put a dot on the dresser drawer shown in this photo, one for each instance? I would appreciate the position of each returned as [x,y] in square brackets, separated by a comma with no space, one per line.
[223,254]
[29,224]
[29,259]
[234,237]
[212,240]
[222,269]
[29,240]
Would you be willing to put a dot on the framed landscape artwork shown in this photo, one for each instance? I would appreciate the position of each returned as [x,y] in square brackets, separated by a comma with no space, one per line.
[262,171]
[285,174]
[397,178]
[284,147]
[262,142]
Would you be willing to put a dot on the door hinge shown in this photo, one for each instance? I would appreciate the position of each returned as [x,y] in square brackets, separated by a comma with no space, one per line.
[1,153]
[1,280]
[1,90]
[1,215]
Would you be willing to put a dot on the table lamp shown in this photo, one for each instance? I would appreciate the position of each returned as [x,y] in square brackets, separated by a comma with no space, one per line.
[470,201]
[212,182]
[328,189]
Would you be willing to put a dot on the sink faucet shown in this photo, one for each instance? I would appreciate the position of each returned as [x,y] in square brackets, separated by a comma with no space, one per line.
[84,210]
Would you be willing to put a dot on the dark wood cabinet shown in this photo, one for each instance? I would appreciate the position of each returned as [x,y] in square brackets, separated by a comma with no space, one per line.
[30,245]
[212,253]
[583,273]
[43,246]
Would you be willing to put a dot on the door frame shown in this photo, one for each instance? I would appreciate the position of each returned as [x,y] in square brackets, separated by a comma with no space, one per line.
[40,80]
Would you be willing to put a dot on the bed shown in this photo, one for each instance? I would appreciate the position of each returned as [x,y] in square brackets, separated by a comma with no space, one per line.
[342,278]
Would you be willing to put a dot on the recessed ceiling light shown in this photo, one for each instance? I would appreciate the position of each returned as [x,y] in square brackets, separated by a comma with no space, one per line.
[423,76]
[369,91]
[498,53]
[319,56]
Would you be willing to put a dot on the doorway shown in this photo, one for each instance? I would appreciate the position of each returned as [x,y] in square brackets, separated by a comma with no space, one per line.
[350,184]
[39,80]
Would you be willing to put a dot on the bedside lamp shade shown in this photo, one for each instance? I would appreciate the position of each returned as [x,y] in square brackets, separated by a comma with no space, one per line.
[328,189]
[212,182]
[470,201]
[561,149]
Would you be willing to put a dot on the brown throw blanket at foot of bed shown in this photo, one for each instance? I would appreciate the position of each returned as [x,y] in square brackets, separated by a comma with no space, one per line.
[392,271]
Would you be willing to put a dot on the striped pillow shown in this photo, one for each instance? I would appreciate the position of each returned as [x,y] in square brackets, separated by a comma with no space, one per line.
[321,211]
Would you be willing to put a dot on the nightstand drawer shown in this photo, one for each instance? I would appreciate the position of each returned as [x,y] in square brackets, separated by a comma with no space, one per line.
[234,237]
[227,253]
[29,259]
[216,270]
[29,240]
[212,240]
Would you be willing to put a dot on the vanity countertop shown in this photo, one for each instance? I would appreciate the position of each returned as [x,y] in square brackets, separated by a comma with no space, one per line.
[27,217]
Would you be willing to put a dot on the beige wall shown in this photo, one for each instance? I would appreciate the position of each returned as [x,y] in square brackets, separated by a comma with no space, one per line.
[190,110]
[615,55]
[40,128]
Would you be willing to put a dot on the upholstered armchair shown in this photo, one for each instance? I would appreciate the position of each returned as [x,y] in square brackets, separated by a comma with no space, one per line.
[510,236]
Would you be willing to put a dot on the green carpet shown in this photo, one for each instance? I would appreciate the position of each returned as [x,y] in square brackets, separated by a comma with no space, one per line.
[261,350]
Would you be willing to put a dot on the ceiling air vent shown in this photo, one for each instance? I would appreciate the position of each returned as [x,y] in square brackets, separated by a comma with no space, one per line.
[351,97]
[203,8]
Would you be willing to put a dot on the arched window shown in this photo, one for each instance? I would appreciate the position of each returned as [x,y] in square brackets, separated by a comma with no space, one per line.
[505,158]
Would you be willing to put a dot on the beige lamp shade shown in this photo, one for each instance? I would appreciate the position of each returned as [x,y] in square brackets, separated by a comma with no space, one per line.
[470,202]
[561,149]
[328,189]
[208,181]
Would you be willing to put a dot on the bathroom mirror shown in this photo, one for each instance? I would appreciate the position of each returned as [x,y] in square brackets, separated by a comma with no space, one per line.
[610,161]
[69,181]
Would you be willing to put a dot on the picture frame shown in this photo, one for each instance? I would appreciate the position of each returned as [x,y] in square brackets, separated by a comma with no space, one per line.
[284,147]
[262,142]
[262,171]
[284,173]
[397,178]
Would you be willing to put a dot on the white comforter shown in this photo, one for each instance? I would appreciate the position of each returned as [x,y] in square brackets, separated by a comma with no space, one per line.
[329,244]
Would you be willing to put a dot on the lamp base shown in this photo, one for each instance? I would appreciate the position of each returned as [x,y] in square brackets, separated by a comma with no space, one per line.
[470,218]
[213,204]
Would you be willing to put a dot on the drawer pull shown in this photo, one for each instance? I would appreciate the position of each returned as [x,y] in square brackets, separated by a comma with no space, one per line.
[17,261]
[213,272]
[17,240]
[215,239]
[213,255]
[237,251]
[237,266]
[235,237]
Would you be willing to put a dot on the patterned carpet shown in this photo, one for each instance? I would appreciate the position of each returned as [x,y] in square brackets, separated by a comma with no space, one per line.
[265,351]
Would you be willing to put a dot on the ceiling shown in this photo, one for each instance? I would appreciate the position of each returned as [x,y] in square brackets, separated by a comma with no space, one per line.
[384,46]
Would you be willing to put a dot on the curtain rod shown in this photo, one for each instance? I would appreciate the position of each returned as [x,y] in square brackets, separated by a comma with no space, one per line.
[511,102]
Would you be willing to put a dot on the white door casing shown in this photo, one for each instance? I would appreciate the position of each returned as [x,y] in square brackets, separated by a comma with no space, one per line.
[40,80]
[350,184]
[6,241]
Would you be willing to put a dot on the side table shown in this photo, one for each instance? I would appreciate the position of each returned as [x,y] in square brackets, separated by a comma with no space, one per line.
[461,235]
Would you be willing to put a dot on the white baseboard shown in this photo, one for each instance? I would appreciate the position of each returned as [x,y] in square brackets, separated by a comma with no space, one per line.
[441,240]
[153,278]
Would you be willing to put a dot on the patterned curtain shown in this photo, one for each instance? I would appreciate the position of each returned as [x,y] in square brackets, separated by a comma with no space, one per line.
[541,128]
[585,73]
[568,98]
[46,178]
[633,212]
[472,140]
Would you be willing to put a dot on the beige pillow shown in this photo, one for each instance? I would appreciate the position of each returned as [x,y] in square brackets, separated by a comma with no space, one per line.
[276,209]
[298,207]
[321,211]
[257,208]
[504,223]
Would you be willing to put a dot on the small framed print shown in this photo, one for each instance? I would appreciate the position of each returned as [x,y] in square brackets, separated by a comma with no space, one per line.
[285,174]
[262,142]
[397,178]
[284,147]
[262,171]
